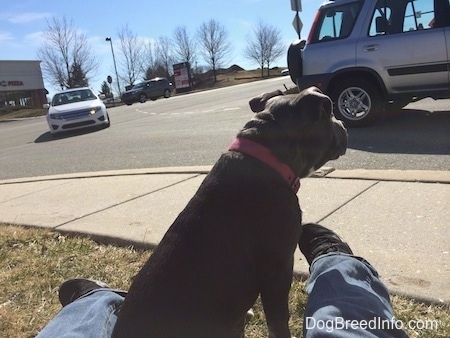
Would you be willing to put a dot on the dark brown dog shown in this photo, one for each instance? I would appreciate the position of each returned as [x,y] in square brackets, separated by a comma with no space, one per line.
[236,238]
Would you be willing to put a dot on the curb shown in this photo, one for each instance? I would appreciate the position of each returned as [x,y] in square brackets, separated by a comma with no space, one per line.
[109,173]
[415,176]
[422,176]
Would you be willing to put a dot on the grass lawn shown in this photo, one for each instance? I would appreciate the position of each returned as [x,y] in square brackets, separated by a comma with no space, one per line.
[35,262]
[7,113]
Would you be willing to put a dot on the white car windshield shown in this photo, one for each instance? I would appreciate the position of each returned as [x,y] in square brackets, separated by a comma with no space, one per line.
[73,96]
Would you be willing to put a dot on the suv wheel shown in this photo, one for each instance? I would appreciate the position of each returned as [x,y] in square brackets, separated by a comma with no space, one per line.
[167,93]
[142,98]
[357,103]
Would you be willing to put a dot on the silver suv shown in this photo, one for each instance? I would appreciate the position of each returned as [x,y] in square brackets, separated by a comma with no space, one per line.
[375,55]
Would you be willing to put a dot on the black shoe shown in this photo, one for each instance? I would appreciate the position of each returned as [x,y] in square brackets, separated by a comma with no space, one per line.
[317,240]
[73,289]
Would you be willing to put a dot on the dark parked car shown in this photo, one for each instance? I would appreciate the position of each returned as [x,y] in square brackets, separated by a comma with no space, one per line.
[151,89]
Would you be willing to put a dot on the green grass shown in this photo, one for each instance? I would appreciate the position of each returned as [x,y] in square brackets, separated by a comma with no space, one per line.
[34,262]
[20,112]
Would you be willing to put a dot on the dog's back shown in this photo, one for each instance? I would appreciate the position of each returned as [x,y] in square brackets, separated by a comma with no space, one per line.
[215,259]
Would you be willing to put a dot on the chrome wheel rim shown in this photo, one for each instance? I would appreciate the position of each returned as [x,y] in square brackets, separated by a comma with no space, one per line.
[354,103]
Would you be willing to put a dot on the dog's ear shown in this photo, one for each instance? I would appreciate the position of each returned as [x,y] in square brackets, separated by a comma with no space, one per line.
[298,113]
[258,103]
[317,102]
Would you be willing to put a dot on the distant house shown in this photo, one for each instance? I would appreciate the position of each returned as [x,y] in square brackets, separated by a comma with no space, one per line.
[21,83]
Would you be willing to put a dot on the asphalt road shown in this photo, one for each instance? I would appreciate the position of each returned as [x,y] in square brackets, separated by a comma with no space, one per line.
[194,129]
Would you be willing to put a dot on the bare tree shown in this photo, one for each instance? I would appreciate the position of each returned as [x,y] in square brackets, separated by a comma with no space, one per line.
[153,67]
[256,46]
[64,49]
[275,47]
[132,51]
[149,61]
[163,53]
[184,47]
[214,45]
[264,46]
[157,59]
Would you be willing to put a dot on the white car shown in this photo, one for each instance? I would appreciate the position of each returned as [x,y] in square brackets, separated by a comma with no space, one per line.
[285,72]
[75,109]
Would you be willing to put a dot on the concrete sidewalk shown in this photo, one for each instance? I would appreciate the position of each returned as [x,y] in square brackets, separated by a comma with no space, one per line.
[398,220]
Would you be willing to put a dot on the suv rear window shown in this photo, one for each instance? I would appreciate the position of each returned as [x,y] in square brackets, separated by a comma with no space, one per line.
[336,22]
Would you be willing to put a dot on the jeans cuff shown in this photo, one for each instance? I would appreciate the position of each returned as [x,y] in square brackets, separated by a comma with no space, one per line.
[117,291]
[337,253]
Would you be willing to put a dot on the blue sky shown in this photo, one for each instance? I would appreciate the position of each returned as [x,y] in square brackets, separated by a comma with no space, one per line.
[22,21]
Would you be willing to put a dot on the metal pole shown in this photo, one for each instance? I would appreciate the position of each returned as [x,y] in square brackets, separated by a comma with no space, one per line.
[115,67]
[298,29]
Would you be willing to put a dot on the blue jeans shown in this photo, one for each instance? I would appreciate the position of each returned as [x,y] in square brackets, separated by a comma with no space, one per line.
[345,299]
[91,316]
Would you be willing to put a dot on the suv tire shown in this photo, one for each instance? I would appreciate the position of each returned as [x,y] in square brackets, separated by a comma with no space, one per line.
[166,93]
[142,98]
[356,102]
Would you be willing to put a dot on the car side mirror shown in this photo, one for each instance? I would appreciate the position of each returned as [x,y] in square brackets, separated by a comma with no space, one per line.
[102,96]
[45,106]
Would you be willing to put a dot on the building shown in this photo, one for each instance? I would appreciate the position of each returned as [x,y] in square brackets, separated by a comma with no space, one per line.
[21,83]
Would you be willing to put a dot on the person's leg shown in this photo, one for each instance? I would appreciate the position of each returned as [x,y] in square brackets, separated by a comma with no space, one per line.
[346,298]
[88,311]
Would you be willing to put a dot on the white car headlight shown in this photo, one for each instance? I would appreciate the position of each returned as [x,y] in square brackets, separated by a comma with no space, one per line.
[95,109]
[56,116]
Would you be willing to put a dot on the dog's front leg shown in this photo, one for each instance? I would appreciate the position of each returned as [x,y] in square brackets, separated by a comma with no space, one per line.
[275,296]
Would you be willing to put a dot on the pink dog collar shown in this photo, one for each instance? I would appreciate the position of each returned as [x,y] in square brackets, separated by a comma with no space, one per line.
[264,155]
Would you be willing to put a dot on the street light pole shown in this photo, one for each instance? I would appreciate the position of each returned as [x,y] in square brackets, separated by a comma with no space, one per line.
[115,67]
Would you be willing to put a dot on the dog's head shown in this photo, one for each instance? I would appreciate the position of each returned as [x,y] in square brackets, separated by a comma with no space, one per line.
[299,129]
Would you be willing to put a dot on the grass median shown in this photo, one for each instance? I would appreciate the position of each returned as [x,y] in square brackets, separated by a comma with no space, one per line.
[7,113]
[35,262]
